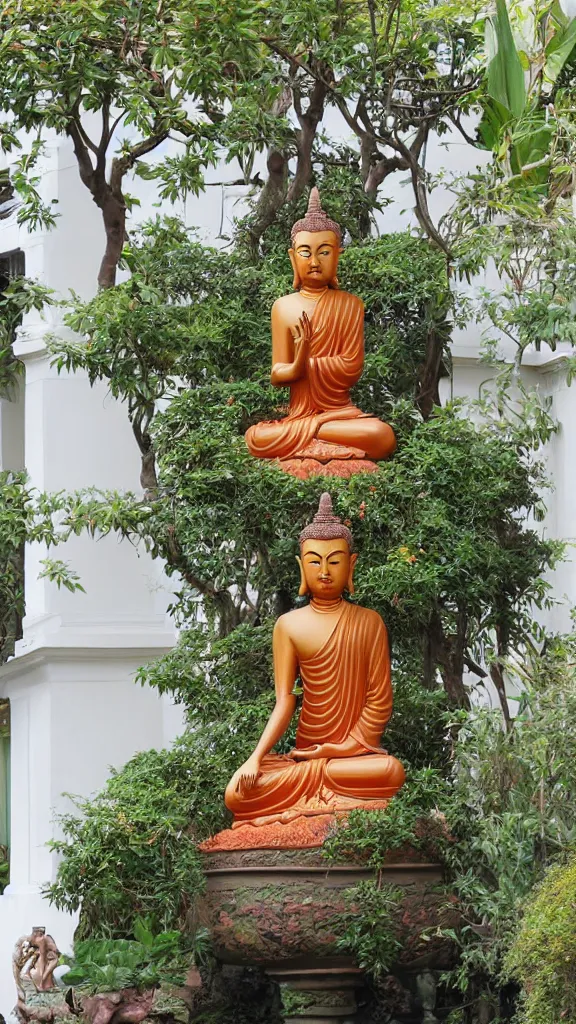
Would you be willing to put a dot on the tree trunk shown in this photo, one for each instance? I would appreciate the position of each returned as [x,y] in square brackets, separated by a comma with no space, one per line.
[148,478]
[485,1011]
[379,170]
[140,421]
[309,122]
[304,164]
[113,210]
[272,197]
[447,653]
[430,373]
[497,675]
[454,686]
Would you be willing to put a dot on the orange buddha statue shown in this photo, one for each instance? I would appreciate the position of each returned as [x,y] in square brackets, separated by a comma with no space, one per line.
[318,351]
[340,651]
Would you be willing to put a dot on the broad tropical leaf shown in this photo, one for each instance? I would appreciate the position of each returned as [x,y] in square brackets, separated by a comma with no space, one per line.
[505,73]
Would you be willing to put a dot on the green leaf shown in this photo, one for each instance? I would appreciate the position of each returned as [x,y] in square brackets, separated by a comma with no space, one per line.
[495,118]
[559,50]
[505,73]
[143,932]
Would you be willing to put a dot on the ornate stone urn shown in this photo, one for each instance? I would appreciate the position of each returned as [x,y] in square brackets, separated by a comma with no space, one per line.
[279,909]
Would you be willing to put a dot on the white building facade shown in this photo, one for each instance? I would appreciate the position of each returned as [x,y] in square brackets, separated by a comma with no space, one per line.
[74,707]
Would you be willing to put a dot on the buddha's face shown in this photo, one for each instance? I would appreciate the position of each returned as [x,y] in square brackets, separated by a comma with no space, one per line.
[327,567]
[314,258]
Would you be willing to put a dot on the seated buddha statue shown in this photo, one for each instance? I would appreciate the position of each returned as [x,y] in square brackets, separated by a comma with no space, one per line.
[340,652]
[318,351]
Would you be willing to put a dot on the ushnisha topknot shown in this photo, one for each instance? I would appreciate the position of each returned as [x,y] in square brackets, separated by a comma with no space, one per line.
[325,525]
[316,219]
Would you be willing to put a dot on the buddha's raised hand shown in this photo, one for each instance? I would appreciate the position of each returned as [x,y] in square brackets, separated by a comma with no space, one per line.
[302,336]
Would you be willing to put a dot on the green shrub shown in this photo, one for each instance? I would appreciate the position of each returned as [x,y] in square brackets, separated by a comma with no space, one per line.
[413,818]
[543,956]
[130,854]
[109,965]
[368,926]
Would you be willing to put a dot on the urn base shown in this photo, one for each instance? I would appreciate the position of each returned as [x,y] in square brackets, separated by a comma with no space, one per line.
[322,994]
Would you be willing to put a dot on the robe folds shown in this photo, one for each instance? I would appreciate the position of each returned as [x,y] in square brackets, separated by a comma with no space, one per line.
[335,364]
[346,693]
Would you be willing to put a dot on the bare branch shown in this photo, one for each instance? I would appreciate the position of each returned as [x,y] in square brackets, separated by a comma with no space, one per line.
[458,124]
[116,122]
[77,118]
[373,28]
[472,666]
[178,560]
[105,135]
[297,101]
[497,677]
[394,11]
[85,166]
[305,136]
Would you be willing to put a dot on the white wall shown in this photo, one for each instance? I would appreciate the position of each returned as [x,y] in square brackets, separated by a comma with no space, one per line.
[560,522]
[75,709]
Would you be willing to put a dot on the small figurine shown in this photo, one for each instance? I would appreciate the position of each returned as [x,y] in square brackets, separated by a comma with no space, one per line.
[35,958]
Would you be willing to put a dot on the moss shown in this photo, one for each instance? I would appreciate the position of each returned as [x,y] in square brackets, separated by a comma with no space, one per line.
[295,1002]
[543,955]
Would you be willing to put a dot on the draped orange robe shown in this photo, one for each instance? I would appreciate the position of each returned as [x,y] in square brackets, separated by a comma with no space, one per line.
[346,693]
[323,395]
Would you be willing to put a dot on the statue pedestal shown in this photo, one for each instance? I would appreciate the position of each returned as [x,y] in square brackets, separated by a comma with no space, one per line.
[322,458]
[344,468]
[278,909]
[321,995]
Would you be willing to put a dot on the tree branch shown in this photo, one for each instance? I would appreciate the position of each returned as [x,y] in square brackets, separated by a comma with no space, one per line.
[410,154]
[124,163]
[105,135]
[177,561]
[85,137]
[380,170]
[472,666]
[457,124]
[85,166]
[394,8]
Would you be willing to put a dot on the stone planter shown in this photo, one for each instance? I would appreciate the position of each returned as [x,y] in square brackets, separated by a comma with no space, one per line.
[278,909]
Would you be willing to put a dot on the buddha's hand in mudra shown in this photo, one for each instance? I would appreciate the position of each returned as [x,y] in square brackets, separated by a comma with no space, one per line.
[246,776]
[302,336]
[349,748]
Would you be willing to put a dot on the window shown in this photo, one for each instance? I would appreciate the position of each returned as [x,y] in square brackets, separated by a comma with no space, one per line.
[12,264]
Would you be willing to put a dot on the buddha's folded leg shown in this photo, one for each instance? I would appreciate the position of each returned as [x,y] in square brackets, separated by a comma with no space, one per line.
[279,439]
[264,435]
[368,777]
[286,788]
[376,438]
